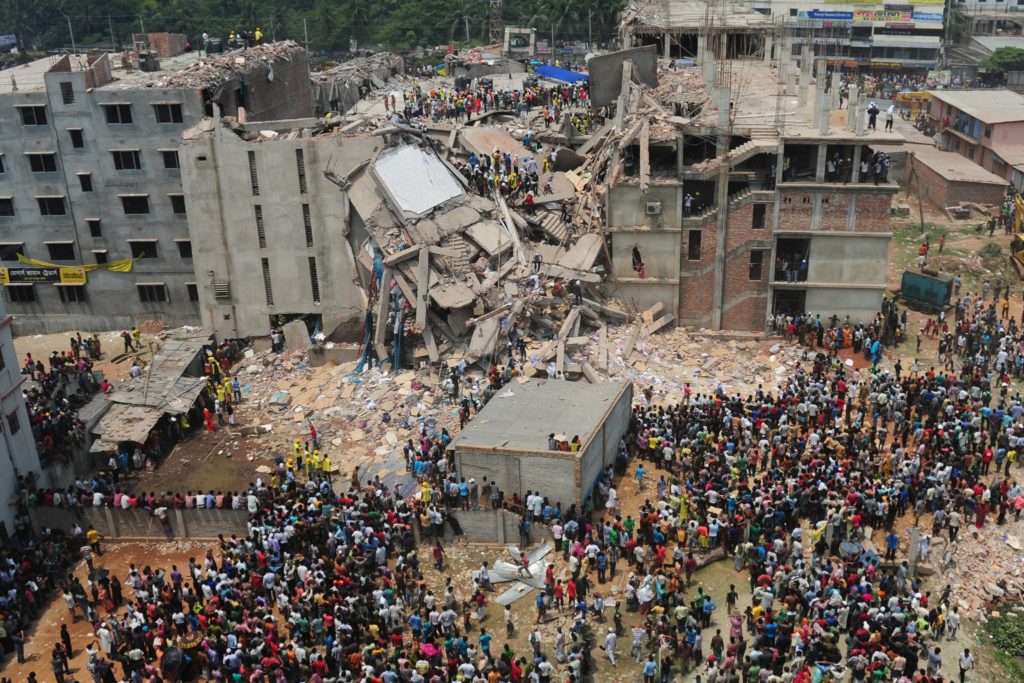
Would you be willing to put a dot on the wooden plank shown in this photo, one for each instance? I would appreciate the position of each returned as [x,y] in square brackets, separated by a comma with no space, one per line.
[431,344]
[422,288]
[401,256]
[658,324]
[570,320]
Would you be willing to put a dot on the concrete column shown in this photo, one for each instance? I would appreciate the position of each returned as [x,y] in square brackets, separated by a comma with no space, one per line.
[721,201]
[776,205]
[667,44]
[851,216]
[851,108]
[834,88]
[819,97]
[855,169]
[702,48]
[805,73]
[769,45]
[816,212]
[108,514]
[791,69]
[861,108]
[819,171]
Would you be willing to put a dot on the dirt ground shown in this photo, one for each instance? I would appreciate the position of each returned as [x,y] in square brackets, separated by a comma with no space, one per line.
[114,364]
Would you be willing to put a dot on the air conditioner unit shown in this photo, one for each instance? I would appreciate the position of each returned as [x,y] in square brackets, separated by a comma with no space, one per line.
[653,208]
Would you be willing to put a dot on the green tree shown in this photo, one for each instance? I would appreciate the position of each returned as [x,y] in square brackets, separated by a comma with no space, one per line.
[1004,59]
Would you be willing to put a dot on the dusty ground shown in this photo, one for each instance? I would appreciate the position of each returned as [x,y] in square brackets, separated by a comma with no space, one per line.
[114,364]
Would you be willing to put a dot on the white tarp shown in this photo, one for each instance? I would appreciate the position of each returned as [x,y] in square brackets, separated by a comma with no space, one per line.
[418,181]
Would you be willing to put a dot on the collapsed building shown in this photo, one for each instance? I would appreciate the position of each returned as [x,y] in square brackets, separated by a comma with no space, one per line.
[711,195]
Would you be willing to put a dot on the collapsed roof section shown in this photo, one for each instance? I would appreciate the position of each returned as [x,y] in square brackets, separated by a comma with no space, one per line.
[453,267]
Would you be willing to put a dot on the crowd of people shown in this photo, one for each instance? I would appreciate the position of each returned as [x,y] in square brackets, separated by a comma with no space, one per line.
[784,481]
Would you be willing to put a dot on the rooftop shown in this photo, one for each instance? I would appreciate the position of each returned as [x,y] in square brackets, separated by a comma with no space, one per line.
[989,106]
[692,14]
[522,421]
[187,70]
[993,43]
[954,167]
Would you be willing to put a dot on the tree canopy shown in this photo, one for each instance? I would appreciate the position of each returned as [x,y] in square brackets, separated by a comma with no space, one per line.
[1004,59]
[327,25]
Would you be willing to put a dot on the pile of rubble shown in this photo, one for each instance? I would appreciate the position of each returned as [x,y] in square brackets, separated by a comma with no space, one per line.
[337,89]
[211,70]
[987,570]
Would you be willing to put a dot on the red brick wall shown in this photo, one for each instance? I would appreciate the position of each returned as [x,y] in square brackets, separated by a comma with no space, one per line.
[796,210]
[942,193]
[697,279]
[835,210]
[745,301]
[873,212]
[747,314]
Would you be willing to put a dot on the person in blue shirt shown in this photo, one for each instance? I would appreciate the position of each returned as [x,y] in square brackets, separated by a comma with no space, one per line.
[640,476]
[892,543]
[485,641]
[650,669]
[464,494]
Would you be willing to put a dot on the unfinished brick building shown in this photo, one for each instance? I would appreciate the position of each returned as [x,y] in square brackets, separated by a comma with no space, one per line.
[737,183]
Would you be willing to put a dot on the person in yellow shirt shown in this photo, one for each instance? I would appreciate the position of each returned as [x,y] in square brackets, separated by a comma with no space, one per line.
[93,537]
[425,492]
[313,465]
[325,467]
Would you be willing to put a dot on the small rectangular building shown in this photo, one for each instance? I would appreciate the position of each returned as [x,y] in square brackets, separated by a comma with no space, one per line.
[507,442]
[950,179]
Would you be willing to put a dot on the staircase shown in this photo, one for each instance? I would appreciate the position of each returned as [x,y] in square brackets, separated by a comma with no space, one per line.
[460,264]
[553,226]
[762,141]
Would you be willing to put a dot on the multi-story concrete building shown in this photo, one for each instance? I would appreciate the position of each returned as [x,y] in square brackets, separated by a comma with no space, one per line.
[849,35]
[18,455]
[753,200]
[90,174]
[272,238]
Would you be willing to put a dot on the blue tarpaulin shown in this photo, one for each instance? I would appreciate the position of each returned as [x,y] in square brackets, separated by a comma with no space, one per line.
[563,75]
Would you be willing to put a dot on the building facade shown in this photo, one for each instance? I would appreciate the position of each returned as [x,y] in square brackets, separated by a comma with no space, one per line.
[269,230]
[90,174]
[18,456]
[985,126]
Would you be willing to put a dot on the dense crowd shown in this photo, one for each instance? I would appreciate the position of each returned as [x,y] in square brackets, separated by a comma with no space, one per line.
[784,481]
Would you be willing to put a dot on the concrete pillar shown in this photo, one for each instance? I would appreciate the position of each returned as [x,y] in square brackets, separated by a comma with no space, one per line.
[819,170]
[108,514]
[791,69]
[805,73]
[776,205]
[721,201]
[702,48]
[851,216]
[819,97]
[834,89]
[667,44]
[861,108]
[855,169]
[769,45]
[851,108]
